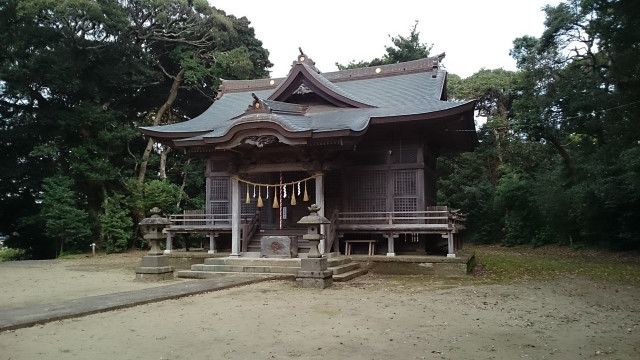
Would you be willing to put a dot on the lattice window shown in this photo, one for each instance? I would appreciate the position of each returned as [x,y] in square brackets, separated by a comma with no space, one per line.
[219,200]
[366,184]
[405,190]
[405,155]
[219,208]
[367,205]
[405,183]
[405,204]
[367,191]
[220,188]
[409,156]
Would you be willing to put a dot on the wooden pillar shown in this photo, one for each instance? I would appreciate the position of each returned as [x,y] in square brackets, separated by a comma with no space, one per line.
[168,248]
[235,218]
[212,243]
[391,244]
[451,253]
[320,203]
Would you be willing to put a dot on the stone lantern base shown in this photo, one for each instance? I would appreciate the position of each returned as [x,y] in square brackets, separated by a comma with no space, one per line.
[154,268]
[313,273]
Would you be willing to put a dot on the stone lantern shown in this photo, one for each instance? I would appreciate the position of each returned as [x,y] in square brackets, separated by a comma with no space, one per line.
[155,265]
[313,271]
[313,221]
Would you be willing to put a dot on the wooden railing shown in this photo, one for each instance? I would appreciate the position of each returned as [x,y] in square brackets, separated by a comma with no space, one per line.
[206,221]
[249,229]
[332,231]
[438,218]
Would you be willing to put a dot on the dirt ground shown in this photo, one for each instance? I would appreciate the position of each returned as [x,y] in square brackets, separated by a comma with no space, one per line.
[372,317]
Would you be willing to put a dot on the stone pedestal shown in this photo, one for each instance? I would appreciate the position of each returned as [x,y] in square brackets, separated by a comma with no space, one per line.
[154,268]
[313,273]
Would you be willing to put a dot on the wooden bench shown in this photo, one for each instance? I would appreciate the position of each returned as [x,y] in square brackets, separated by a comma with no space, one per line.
[349,243]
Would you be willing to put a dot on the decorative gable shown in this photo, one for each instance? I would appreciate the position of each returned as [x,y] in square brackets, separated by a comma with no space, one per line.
[261,106]
[304,79]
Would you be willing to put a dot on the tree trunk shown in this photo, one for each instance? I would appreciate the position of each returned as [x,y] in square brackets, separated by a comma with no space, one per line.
[184,182]
[177,81]
[564,153]
[163,162]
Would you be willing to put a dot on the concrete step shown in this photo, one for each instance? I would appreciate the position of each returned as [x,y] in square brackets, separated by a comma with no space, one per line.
[349,275]
[245,269]
[343,268]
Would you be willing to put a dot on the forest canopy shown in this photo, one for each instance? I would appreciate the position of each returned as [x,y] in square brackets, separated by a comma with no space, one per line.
[77,79]
[558,160]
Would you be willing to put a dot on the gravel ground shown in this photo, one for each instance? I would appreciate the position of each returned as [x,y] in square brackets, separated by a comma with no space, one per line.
[371,317]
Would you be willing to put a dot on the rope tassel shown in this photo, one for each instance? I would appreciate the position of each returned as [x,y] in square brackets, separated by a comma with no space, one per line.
[260,204]
[275,198]
[293,195]
[248,200]
[306,195]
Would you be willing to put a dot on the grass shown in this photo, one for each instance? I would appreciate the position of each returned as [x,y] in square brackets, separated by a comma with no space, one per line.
[7,254]
[506,265]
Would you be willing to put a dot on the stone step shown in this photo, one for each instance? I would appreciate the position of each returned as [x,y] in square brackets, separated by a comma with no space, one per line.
[245,269]
[343,268]
[349,275]
[337,261]
[190,274]
[253,262]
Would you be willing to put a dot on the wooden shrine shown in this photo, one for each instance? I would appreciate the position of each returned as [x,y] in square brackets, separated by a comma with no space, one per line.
[362,144]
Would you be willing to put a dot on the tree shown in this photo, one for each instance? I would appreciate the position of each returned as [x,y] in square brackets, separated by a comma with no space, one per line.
[64,221]
[116,225]
[78,77]
[403,49]
[577,98]
[194,45]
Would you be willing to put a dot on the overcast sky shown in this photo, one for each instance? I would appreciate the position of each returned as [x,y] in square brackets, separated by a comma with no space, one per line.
[474,34]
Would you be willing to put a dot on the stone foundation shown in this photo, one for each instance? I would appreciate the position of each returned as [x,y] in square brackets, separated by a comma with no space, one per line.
[462,265]
[154,268]
[313,274]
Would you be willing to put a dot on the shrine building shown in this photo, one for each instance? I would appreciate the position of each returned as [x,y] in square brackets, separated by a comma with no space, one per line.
[361,143]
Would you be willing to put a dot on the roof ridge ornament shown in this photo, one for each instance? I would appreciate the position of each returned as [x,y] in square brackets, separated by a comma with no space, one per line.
[303,58]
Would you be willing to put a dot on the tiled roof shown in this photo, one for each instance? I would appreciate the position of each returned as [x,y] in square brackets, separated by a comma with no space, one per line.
[403,89]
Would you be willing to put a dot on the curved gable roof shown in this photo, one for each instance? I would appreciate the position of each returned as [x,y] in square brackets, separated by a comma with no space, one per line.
[411,91]
[303,74]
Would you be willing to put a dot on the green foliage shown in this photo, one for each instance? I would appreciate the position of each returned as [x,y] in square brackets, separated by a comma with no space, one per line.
[117,225]
[9,254]
[64,221]
[155,193]
[403,49]
[77,79]
[557,162]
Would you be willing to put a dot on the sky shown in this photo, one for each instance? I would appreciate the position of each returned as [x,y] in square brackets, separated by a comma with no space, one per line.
[474,34]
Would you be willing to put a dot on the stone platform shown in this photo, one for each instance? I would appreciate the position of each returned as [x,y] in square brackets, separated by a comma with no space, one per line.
[461,265]
[379,264]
